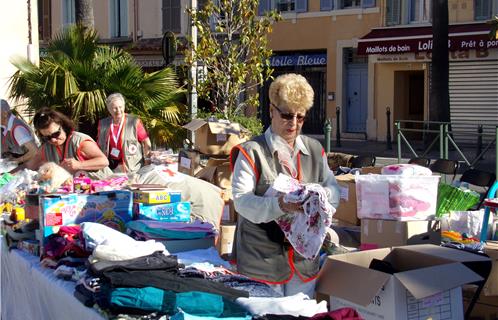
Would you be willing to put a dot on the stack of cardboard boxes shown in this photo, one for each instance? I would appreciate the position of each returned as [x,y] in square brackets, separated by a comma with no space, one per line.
[377,232]
[214,139]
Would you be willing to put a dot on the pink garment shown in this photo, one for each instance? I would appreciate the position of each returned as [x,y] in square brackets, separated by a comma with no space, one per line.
[306,231]
[339,314]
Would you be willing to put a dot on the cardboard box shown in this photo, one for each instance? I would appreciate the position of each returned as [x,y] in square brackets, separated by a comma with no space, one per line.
[156,196]
[347,205]
[371,170]
[189,161]
[229,215]
[217,171]
[216,137]
[376,233]
[426,286]
[112,208]
[169,212]
[491,286]
[225,243]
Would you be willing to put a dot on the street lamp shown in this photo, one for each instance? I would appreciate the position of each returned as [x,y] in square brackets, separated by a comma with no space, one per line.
[193,69]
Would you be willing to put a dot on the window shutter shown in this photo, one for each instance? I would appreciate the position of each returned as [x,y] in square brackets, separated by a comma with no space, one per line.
[326,5]
[368,4]
[176,14]
[393,14]
[166,15]
[123,18]
[113,18]
[301,5]
[264,5]
[482,9]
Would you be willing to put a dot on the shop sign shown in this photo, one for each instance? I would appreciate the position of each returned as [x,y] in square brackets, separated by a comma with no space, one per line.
[459,55]
[461,37]
[299,60]
[150,62]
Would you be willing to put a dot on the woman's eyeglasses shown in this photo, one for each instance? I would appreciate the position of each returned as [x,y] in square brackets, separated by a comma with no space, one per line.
[290,116]
[51,136]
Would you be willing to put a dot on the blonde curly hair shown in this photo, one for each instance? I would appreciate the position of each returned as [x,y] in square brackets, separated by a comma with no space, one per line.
[293,91]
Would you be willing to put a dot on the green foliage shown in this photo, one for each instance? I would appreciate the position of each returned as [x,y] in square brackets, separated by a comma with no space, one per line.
[252,124]
[79,73]
[493,33]
[235,53]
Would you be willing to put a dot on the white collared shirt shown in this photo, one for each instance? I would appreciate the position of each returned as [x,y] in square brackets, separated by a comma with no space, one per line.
[258,209]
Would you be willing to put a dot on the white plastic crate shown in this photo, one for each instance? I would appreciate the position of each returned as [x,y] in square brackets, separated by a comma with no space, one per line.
[392,197]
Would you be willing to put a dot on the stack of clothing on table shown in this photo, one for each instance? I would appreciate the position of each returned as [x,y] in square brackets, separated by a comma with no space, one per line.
[188,284]
[164,231]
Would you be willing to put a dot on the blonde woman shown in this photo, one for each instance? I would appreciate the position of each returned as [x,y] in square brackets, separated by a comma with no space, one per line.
[262,251]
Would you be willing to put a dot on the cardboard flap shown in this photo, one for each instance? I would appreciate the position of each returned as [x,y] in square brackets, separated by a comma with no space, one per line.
[343,280]
[220,127]
[425,282]
[208,174]
[194,124]
[445,253]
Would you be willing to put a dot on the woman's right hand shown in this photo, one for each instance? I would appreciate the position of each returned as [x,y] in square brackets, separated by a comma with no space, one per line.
[289,207]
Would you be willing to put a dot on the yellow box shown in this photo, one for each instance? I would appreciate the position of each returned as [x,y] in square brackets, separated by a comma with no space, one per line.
[156,196]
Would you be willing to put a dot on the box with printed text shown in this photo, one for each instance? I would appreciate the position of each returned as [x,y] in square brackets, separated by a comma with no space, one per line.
[156,196]
[169,212]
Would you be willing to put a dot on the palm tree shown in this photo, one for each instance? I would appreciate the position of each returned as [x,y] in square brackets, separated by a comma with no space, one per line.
[84,13]
[79,73]
[439,96]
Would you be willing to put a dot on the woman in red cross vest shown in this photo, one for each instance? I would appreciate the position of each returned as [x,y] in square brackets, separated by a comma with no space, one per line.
[122,137]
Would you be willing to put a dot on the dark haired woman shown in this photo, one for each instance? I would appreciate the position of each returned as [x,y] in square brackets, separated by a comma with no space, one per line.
[62,144]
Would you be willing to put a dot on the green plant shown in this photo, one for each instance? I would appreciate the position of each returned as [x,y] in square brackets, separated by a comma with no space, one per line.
[234,50]
[79,73]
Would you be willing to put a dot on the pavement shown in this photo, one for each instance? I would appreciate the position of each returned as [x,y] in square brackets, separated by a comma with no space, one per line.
[385,155]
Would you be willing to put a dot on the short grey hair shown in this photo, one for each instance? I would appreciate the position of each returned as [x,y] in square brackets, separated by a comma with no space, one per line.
[114,96]
[4,106]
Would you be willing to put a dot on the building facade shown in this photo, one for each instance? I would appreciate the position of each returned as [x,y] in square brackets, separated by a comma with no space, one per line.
[399,62]
[19,37]
[360,56]
[319,39]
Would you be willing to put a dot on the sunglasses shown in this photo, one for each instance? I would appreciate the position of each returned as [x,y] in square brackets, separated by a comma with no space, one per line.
[51,136]
[290,116]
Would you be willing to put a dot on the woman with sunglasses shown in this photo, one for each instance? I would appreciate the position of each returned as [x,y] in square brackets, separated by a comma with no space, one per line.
[261,250]
[122,137]
[62,144]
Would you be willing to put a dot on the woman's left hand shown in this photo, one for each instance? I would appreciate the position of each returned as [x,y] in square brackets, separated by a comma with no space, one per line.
[71,164]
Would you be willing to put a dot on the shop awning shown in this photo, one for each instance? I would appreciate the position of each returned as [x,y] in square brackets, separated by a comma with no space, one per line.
[396,40]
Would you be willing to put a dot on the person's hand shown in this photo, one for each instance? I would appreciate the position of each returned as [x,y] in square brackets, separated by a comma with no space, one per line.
[71,164]
[289,207]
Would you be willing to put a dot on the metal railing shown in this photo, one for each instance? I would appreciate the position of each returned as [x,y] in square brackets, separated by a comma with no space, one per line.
[445,136]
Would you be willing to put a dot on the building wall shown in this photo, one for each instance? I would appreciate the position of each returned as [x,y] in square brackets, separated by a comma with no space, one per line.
[330,31]
[15,38]
[388,86]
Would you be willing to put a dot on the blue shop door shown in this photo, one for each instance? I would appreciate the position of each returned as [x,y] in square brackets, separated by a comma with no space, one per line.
[356,98]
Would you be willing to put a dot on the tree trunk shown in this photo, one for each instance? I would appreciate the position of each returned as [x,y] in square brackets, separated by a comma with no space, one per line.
[439,97]
[84,13]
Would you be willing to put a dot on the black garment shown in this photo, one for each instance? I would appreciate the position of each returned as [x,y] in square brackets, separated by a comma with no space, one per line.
[160,271]
[154,261]
[163,279]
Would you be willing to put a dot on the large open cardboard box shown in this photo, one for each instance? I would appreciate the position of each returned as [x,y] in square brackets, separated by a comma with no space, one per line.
[216,137]
[427,286]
